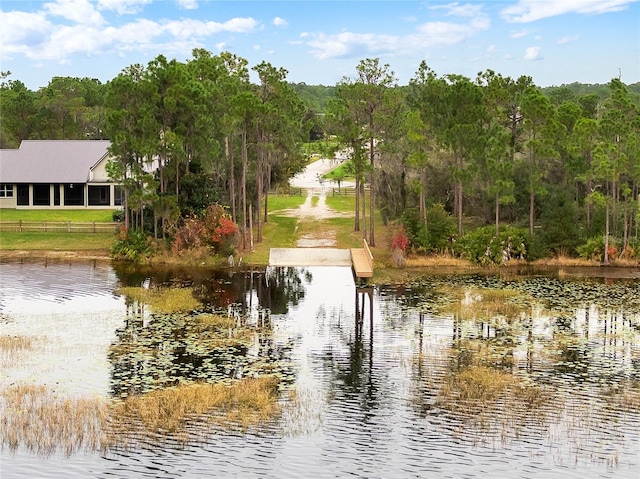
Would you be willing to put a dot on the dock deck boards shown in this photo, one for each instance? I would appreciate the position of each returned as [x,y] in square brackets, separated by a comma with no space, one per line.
[360,259]
[362,264]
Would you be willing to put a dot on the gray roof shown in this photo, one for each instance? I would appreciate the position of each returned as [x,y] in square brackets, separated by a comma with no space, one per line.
[52,161]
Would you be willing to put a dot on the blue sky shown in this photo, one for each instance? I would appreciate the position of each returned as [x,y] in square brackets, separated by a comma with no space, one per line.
[319,42]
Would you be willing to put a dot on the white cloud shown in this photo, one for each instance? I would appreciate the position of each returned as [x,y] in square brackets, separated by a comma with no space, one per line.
[347,44]
[567,39]
[21,32]
[531,10]
[77,11]
[466,10]
[33,36]
[188,4]
[532,53]
[519,33]
[195,28]
[122,7]
[280,22]
[430,34]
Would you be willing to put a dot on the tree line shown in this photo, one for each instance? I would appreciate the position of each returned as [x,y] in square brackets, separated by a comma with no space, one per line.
[444,156]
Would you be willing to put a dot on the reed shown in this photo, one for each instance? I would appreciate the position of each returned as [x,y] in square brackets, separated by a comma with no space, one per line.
[15,343]
[11,348]
[43,422]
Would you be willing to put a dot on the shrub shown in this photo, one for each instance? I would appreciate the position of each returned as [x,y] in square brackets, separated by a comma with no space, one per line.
[436,236]
[441,227]
[132,246]
[214,229]
[414,229]
[593,249]
[117,216]
[483,246]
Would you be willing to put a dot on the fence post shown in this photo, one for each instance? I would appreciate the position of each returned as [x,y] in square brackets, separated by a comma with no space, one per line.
[20,226]
[94,226]
[45,226]
[68,226]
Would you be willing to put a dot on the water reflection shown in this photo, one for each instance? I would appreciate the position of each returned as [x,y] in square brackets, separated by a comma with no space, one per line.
[379,378]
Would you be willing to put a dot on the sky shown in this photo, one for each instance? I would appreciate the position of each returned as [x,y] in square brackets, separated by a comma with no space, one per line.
[555,42]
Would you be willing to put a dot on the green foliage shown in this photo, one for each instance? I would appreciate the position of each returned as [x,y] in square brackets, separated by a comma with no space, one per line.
[415,230]
[133,246]
[441,228]
[436,236]
[482,246]
[561,220]
[118,216]
[593,249]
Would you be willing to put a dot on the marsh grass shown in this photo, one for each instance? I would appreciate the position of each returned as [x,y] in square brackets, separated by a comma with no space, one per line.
[37,418]
[625,396]
[43,422]
[11,348]
[15,343]
[240,405]
[494,403]
[486,304]
[165,300]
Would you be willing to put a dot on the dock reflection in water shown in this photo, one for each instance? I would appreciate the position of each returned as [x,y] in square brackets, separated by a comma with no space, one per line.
[370,377]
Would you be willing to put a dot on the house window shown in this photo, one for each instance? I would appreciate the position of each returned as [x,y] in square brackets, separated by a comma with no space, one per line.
[118,196]
[74,194]
[6,190]
[99,196]
[42,194]
[56,194]
[22,191]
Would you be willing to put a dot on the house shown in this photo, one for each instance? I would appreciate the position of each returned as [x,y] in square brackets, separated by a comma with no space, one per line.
[57,174]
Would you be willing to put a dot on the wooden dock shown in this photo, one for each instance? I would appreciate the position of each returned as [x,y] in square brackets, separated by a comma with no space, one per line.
[360,259]
[362,263]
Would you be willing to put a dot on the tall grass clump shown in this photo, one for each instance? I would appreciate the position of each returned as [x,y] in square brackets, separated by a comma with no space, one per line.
[241,404]
[43,422]
[167,300]
[493,402]
[12,346]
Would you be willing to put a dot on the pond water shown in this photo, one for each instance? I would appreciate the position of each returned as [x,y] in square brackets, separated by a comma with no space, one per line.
[370,370]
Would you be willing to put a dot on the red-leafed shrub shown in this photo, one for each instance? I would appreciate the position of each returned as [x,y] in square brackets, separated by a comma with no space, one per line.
[215,229]
[400,240]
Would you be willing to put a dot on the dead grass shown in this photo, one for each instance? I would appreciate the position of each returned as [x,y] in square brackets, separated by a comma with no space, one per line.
[493,403]
[242,404]
[215,322]
[11,348]
[43,422]
[490,305]
[15,343]
[169,300]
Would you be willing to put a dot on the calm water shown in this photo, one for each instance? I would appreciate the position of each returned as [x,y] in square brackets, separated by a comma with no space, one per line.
[366,378]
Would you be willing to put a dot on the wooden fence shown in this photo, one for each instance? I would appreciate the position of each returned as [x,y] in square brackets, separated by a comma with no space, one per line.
[59,226]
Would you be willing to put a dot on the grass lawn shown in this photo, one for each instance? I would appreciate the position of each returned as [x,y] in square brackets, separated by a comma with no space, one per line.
[10,241]
[41,241]
[342,172]
[102,216]
[283,202]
